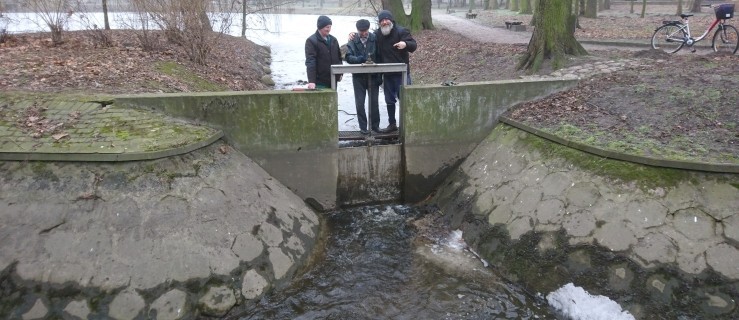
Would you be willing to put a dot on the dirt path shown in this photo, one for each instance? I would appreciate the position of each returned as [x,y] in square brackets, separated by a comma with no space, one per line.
[478,32]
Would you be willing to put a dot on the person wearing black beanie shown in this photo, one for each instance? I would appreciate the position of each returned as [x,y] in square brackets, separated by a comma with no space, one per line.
[394,45]
[321,51]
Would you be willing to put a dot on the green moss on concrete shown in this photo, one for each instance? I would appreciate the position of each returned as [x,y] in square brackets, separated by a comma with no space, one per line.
[644,176]
[679,149]
[197,83]
[42,171]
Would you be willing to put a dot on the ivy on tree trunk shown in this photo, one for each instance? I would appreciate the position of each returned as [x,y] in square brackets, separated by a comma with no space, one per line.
[553,35]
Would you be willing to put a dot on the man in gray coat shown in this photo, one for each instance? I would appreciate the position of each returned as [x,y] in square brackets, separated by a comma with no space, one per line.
[363,49]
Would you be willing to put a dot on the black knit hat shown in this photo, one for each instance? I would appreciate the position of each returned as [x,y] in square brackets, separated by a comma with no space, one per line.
[323,21]
[363,25]
[384,14]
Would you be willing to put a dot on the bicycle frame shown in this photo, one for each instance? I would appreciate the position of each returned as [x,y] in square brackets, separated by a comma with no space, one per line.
[686,26]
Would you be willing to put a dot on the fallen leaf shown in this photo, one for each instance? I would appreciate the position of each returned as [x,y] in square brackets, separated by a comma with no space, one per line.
[59,136]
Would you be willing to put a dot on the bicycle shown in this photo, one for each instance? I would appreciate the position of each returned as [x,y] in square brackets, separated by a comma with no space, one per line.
[674,35]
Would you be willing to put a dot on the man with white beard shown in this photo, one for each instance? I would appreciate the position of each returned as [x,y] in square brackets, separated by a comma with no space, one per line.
[394,45]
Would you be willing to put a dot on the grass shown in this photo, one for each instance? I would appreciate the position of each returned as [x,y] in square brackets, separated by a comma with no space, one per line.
[199,84]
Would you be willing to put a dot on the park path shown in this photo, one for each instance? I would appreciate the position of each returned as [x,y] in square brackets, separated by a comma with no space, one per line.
[478,32]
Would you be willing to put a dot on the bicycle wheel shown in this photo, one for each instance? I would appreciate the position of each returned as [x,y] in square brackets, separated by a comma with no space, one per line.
[726,39]
[669,38]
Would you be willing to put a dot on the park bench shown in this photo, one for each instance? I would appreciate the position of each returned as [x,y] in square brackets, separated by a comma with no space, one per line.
[471,15]
[515,25]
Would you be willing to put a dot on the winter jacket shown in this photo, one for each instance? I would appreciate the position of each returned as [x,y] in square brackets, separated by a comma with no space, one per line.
[320,54]
[357,53]
[386,53]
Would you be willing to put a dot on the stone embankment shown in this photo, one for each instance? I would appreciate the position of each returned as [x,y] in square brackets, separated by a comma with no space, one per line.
[653,239]
[173,238]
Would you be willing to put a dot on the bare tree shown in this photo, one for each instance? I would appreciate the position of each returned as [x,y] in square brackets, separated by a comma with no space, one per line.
[251,8]
[54,13]
[553,36]
[696,7]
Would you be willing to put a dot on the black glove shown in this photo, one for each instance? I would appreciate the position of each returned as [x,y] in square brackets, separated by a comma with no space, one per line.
[361,59]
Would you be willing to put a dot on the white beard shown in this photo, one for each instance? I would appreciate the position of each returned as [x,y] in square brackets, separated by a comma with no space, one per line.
[386,29]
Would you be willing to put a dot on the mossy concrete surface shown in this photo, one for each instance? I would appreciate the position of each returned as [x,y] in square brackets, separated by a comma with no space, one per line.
[58,128]
[441,125]
[121,240]
[292,135]
[661,242]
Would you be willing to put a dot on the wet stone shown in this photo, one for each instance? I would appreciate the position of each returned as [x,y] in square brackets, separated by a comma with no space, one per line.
[253,285]
[656,247]
[38,311]
[723,258]
[578,261]
[217,301]
[270,234]
[718,303]
[694,224]
[582,195]
[620,277]
[281,262]
[661,287]
[78,309]
[171,305]
[126,305]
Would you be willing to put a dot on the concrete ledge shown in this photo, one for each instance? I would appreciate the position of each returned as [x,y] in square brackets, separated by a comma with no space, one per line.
[687,165]
[109,157]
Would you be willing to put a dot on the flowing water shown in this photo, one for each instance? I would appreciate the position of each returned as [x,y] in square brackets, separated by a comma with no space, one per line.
[371,268]
[372,265]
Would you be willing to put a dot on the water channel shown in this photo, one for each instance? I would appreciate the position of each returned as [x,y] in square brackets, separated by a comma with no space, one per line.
[371,268]
[371,264]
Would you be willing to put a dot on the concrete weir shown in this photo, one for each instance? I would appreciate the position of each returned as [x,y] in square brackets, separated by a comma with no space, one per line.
[194,232]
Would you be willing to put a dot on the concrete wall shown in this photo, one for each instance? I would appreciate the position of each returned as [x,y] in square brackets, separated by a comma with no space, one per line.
[370,174]
[292,135]
[441,125]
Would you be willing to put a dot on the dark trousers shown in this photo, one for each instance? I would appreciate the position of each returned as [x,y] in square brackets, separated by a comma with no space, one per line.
[362,85]
[391,88]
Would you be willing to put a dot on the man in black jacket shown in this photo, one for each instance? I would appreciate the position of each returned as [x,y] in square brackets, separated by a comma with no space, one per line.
[321,51]
[394,45]
[360,50]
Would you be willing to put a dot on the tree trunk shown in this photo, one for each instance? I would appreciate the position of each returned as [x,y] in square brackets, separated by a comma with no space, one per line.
[591,9]
[553,37]
[696,6]
[525,7]
[643,8]
[396,7]
[419,19]
[514,5]
[105,15]
[421,15]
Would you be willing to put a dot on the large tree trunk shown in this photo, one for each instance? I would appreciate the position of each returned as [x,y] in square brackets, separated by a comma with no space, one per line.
[421,15]
[419,19]
[525,7]
[553,36]
[679,10]
[696,6]
[105,15]
[643,9]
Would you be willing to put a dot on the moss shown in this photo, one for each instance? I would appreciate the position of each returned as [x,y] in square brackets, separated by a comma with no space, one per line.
[181,73]
[644,176]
